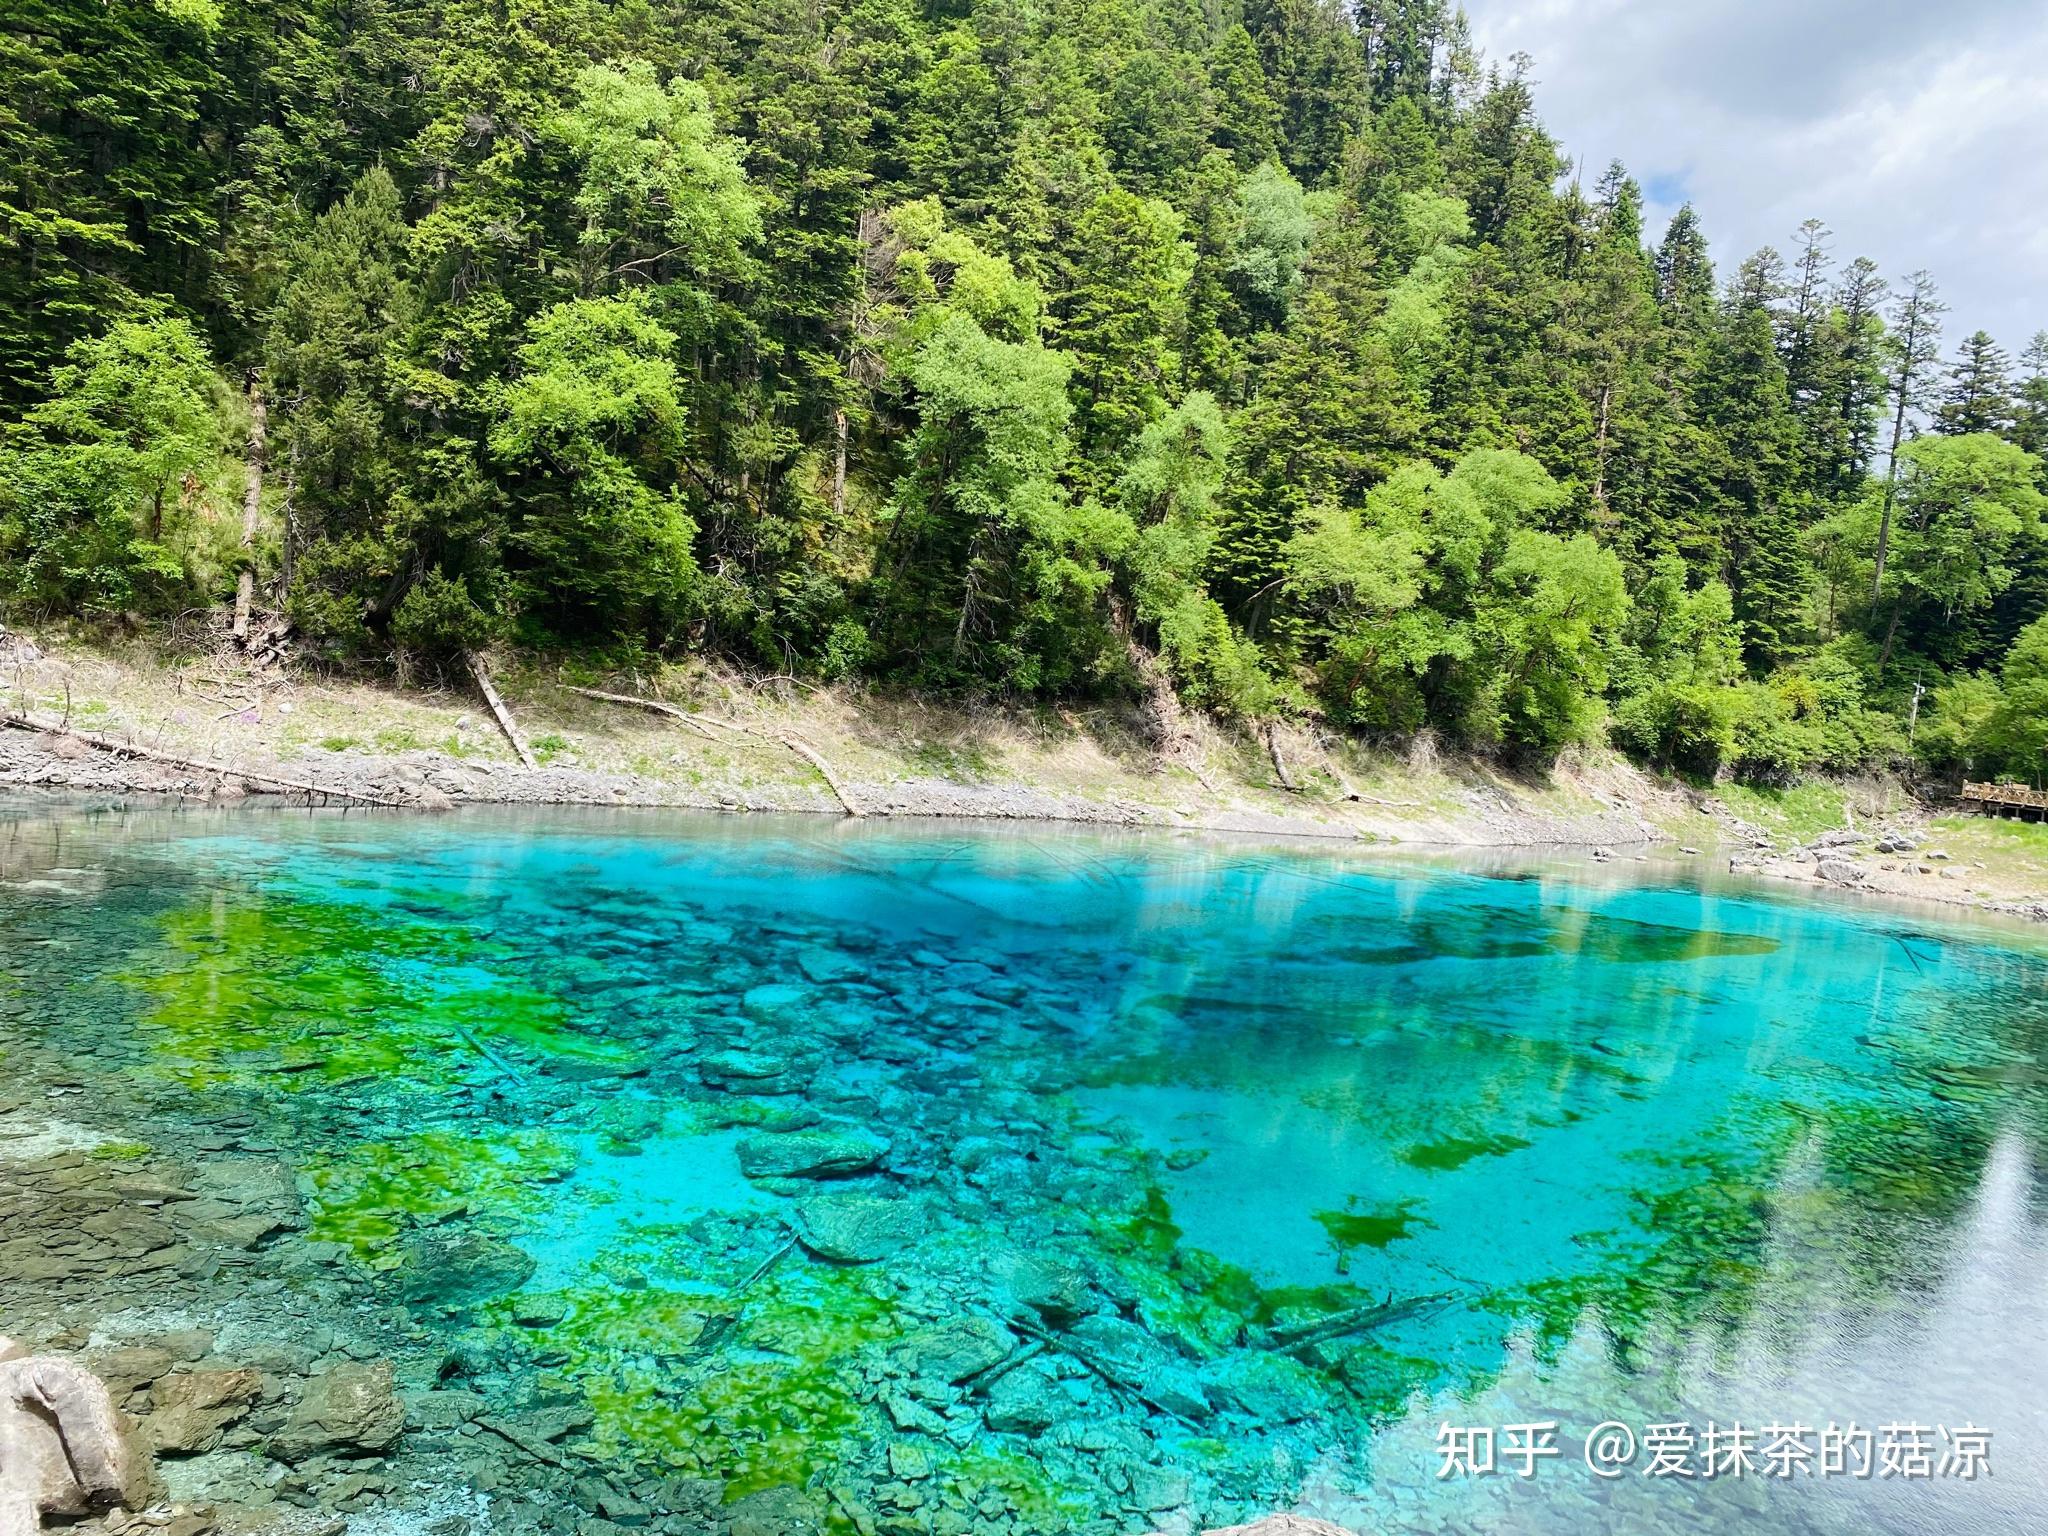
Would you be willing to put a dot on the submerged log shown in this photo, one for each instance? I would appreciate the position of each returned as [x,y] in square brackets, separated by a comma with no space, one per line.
[1352,1320]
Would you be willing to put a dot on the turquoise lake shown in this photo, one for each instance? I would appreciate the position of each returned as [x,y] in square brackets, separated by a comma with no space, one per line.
[1000,1179]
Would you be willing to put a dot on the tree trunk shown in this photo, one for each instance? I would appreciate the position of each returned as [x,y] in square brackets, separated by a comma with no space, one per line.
[1600,466]
[839,465]
[1891,491]
[252,500]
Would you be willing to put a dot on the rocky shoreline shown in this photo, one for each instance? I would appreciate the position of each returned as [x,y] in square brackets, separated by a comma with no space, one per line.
[53,762]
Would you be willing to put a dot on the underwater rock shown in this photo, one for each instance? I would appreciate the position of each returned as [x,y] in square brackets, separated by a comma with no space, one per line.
[64,1445]
[773,999]
[1026,1402]
[752,1072]
[1271,1388]
[956,1351]
[131,1366]
[444,1409]
[539,1311]
[350,1410]
[824,965]
[1157,1488]
[1281,1525]
[819,1153]
[256,1185]
[462,1269]
[857,1229]
[1054,1287]
[194,1408]
[909,1460]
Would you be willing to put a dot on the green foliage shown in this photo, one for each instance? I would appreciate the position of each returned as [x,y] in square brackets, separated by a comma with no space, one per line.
[591,430]
[1262,353]
[92,482]
[659,190]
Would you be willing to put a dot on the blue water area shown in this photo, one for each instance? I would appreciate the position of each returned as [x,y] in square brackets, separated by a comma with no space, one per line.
[1009,1180]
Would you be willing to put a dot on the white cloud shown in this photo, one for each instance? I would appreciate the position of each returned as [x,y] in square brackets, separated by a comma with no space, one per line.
[1918,133]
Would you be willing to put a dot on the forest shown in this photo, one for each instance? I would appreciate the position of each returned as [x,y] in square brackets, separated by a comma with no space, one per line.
[1265,356]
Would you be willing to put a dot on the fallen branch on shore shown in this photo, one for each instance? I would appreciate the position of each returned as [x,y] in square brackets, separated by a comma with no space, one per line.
[1279,764]
[224,771]
[816,760]
[703,724]
[498,709]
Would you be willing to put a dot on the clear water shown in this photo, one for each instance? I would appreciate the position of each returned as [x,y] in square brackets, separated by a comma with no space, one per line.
[1667,1151]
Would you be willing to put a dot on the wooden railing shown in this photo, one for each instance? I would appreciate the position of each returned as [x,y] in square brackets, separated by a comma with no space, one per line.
[2005,796]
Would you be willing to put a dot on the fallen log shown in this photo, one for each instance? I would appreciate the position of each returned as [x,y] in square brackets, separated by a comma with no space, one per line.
[1279,764]
[1351,1320]
[701,723]
[817,761]
[272,781]
[1093,1362]
[498,709]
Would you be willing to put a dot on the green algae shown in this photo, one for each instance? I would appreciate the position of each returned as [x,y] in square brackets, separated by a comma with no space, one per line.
[372,1194]
[121,1151]
[786,1403]
[316,992]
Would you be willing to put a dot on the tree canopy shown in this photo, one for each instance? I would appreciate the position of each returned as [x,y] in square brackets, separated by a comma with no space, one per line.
[1277,352]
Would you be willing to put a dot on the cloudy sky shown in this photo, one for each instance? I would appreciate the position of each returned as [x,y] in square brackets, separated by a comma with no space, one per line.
[1916,129]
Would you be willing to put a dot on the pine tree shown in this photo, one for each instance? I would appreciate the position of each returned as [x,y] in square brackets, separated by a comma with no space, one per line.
[1978,395]
[1915,349]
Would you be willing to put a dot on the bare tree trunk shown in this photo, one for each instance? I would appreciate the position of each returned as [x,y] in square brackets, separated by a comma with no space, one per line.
[1600,469]
[252,500]
[839,465]
[1891,492]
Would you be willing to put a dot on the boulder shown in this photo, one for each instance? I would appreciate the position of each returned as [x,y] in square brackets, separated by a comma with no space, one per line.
[1840,872]
[857,1229]
[820,1153]
[1051,1285]
[350,1410]
[194,1408]
[462,1269]
[65,1448]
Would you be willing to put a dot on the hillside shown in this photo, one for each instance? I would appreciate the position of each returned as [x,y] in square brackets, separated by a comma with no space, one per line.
[1271,362]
